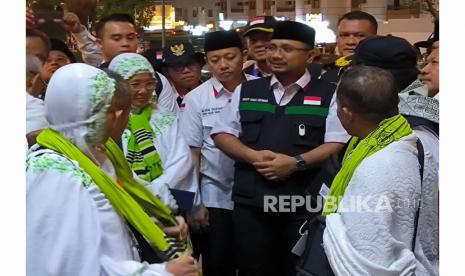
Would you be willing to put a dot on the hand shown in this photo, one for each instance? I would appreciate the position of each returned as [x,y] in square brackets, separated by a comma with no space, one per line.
[121,121]
[183,266]
[31,21]
[277,169]
[263,155]
[47,70]
[200,219]
[180,230]
[70,22]
[37,87]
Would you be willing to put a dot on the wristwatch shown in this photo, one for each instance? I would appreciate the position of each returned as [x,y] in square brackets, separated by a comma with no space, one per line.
[300,163]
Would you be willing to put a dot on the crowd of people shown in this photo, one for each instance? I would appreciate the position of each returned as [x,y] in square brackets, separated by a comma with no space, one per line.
[142,167]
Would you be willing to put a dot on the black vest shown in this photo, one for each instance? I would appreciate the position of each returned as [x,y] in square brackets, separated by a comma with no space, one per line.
[268,126]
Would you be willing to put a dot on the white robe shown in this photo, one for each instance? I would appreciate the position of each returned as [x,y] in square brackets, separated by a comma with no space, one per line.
[178,167]
[379,243]
[71,227]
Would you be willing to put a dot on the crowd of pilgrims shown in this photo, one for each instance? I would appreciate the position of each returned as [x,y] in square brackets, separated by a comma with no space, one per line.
[145,165]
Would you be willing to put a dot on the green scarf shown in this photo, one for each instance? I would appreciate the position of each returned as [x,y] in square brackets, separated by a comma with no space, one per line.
[142,155]
[388,131]
[134,202]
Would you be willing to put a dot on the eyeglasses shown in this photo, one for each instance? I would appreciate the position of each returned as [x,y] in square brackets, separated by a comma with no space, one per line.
[178,68]
[286,49]
[149,86]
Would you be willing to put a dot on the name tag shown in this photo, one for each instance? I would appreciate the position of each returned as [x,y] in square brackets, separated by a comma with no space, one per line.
[299,247]
[255,100]
[324,191]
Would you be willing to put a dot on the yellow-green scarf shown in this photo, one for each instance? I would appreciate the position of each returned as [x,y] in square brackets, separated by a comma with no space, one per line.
[388,131]
[142,155]
[134,202]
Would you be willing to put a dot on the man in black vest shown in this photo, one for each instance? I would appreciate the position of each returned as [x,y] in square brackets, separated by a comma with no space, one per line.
[276,128]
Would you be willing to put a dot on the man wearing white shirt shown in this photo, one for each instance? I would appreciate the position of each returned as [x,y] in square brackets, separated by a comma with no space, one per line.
[116,34]
[279,130]
[199,111]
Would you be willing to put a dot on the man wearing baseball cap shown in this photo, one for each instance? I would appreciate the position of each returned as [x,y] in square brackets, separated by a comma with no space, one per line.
[278,130]
[182,67]
[257,34]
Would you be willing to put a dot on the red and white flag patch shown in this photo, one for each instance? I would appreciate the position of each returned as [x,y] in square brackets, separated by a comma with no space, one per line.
[257,20]
[158,54]
[312,100]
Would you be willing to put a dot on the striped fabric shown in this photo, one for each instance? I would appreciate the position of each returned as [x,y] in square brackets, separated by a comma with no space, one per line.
[142,154]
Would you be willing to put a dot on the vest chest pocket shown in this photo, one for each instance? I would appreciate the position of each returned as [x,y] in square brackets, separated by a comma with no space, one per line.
[251,124]
[308,132]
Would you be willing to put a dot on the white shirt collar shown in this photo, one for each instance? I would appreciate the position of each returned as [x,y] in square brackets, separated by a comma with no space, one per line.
[302,82]
[219,89]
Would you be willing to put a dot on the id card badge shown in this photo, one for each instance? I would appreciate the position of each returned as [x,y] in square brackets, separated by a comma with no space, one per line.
[324,191]
[299,247]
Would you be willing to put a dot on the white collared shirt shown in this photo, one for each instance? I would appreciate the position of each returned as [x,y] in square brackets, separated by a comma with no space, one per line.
[198,113]
[229,121]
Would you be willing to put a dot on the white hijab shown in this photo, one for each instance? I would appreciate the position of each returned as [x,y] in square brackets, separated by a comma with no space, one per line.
[129,64]
[76,102]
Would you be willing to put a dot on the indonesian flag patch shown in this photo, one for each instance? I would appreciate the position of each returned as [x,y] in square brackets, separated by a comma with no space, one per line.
[159,54]
[257,20]
[312,100]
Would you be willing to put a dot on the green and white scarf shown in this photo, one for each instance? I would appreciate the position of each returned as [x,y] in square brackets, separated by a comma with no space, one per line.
[142,155]
[388,131]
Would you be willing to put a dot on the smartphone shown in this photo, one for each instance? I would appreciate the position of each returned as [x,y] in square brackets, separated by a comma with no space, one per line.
[47,12]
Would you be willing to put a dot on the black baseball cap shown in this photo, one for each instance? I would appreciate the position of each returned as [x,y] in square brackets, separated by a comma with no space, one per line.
[178,53]
[388,52]
[260,23]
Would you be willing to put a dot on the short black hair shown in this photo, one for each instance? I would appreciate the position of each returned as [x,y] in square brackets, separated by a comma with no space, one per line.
[115,17]
[41,35]
[369,91]
[360,15]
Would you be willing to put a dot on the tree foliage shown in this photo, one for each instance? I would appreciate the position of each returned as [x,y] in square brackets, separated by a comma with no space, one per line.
[142,10]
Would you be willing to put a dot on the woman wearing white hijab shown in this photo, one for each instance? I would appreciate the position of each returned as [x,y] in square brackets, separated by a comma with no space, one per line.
[152,141]
[77,213]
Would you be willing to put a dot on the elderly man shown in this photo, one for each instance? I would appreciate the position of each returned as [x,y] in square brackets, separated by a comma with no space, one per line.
[398,56]
[257,34]
[390,233]
[278,130]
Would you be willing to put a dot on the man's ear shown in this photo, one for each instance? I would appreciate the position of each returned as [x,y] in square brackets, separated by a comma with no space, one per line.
[311,55]
[348,114]
[99,42]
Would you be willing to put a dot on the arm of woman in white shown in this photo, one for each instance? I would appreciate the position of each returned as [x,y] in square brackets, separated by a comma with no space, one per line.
[376,238]
[64,233]
[167,98]
[178,167]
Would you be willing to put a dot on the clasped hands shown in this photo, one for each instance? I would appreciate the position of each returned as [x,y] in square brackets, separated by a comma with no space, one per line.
[273,166]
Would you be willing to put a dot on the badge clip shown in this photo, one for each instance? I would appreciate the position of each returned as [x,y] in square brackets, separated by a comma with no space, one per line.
[301,130]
